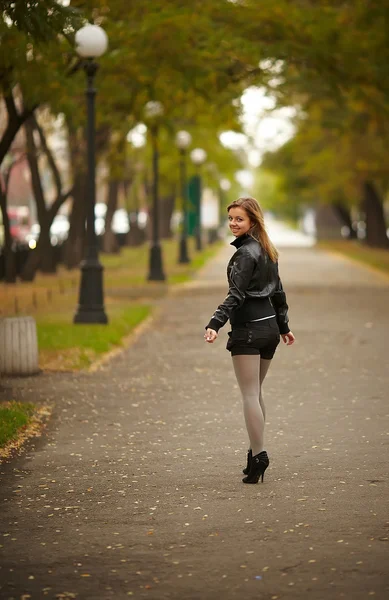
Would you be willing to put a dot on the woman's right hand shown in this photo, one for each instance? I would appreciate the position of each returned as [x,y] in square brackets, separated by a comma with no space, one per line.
[210,336]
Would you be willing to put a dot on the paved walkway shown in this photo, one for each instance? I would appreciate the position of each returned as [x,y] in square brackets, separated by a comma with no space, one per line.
[135,488]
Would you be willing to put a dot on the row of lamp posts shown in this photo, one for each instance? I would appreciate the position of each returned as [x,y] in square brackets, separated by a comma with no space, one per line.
[198,156]
[91,43]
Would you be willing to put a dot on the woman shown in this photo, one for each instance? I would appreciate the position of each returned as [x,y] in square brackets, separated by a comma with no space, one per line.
[257,309]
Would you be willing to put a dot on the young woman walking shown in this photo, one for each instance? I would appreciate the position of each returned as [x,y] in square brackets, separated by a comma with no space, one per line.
[257,309]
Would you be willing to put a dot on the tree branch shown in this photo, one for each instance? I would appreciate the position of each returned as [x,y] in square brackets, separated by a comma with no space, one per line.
[7,175]
[35,176]
[15,121]
[11,107]
[49,155]
[54,208]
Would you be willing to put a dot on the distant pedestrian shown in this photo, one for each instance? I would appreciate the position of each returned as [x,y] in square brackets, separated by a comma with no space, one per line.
[257,309]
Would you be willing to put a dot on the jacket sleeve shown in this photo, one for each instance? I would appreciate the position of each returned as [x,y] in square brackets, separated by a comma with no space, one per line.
[279,303]
[239,280]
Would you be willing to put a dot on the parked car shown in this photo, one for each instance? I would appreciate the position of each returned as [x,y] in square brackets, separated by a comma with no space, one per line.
[19,222]
[59,231]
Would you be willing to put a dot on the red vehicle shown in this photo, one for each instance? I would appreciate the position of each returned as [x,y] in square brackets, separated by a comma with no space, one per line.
[19,222]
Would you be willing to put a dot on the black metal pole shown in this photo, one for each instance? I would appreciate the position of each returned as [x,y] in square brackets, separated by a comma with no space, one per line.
[183,256]
[90,307]
[199,243]
[155,261]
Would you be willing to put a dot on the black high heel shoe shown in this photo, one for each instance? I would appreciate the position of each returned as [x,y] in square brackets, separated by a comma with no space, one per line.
[259,464]
[249,459]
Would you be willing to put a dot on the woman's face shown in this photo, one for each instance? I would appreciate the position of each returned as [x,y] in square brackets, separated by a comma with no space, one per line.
[239,221]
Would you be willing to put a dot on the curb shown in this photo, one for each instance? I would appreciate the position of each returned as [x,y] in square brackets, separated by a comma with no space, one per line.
[127,341]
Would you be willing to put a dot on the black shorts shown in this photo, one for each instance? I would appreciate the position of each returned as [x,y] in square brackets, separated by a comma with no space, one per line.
[256,338]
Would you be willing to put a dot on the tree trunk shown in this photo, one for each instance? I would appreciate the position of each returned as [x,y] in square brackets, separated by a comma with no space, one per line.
[75,244]
[41,258]
[375,218]
[110,242]
[136,236]
[43,255]
[344,214]
[328,223]
[14,123]
[9,256]
[166,212]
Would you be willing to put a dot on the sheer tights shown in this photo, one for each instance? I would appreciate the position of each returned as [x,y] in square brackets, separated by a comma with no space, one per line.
[250,373]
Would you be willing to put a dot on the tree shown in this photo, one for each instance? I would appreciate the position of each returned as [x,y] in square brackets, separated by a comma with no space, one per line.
[203,77]
[42,257]
[331,60]
[27,28]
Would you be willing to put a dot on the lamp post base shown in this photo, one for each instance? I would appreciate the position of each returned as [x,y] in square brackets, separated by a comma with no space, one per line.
[90,308]
[183,256]
[155,264]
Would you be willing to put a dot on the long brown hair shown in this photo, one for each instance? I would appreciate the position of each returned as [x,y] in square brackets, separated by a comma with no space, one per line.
[258,230]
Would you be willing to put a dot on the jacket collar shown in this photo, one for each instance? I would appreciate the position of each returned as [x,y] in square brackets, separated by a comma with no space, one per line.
[242,239]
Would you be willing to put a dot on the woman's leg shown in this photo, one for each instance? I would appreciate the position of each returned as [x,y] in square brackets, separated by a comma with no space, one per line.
[247,371]
[263,369]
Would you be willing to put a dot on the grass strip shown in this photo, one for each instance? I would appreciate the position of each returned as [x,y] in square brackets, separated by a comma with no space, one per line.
[65,346]
[374,257]
[14,417]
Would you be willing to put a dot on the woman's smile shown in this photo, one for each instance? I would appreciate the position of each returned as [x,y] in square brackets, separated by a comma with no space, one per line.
[239,221]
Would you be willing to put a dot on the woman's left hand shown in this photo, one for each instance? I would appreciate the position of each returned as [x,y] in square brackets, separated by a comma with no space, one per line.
[210,336]
[288,338]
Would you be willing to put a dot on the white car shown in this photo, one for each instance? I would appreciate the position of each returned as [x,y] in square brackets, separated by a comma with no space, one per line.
[120,222]
[59,229]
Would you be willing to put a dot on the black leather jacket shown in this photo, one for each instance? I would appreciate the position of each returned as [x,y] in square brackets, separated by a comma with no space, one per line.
[255,288]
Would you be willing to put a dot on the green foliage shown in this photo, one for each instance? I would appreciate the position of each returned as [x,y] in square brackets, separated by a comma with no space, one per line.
[269,191]
[328,58]
[39,20]
[335,73]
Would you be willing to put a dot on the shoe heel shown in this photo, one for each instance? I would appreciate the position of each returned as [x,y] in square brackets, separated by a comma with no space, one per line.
[259,464]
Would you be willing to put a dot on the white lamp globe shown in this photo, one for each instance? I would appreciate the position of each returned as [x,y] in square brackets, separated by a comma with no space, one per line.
[153,109]
[183,140]
[225,184]
[198,156]
[91,41]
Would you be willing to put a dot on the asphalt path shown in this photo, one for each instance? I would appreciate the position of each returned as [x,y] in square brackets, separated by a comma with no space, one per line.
[134,489]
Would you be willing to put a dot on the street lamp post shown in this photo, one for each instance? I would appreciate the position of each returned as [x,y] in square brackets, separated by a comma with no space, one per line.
[153,111]
[183,141]
[91,43]
[198,157]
